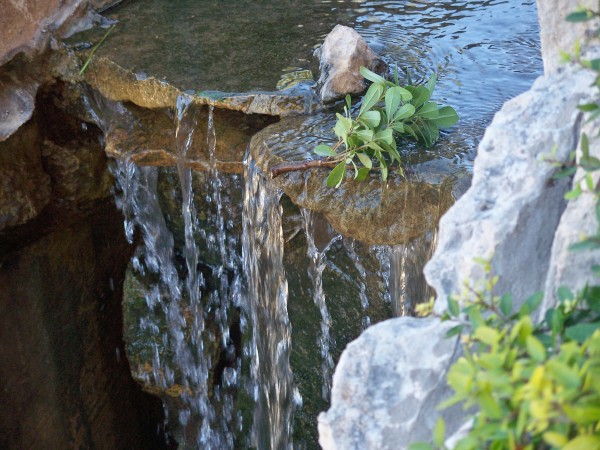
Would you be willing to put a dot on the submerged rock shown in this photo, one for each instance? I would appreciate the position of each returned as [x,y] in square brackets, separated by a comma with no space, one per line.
[343,52]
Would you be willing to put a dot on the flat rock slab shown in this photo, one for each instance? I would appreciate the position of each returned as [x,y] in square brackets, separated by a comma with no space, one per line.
[373,212]
[119,84]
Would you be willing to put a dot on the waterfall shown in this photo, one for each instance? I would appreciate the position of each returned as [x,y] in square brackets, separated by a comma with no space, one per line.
[317,264]
[266,305]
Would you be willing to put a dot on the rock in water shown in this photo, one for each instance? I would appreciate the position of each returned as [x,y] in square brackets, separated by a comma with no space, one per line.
[341,56]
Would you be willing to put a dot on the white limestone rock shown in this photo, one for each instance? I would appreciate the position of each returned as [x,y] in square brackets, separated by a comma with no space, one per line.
[513,206]
[556,33]
[386,387]
[342,54]
[568,268]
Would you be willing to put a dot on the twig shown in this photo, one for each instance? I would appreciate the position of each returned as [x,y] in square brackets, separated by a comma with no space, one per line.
[301,165]
[91,55]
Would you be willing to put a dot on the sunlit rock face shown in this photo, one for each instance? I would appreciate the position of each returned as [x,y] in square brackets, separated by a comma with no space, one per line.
[513,206]
[557,34]
[386,385]
[341,57]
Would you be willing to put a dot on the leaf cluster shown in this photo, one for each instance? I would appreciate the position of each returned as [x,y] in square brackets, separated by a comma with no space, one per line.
[368,140]
[536,386]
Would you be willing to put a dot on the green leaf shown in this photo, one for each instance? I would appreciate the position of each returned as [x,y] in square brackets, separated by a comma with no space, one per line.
[580,332]
[398,127]
[392,100]
[487,335]
[563,374]
[365,160]
[429,110]
[535,349]
[362,174]
[371,98]
[506,304]
[427,132]
[454,331]
[386,136]
[348,102]
[371,76]
[554,439]
[408,129]
[420,95]
[579,16]
[420,446]
[565,172]
[404,112]
[489,406]
[431,83]
[564,294]
[585,442]
[324,150]
[585,146]
[453,307]
[439,432]
[447,117]
[585,244]
[371,118]
[365,135]
[588,107]
[336,175]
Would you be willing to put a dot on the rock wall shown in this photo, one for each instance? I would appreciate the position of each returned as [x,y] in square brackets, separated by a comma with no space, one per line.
[515,212]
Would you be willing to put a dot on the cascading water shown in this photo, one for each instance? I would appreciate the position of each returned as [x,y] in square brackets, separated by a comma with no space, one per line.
[315,271]
[271,383]
[402,272]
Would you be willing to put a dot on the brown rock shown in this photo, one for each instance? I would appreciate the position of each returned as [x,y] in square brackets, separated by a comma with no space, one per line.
[24,184]
[341,56]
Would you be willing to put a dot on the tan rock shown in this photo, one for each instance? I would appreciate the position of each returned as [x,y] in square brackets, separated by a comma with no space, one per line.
[343,52]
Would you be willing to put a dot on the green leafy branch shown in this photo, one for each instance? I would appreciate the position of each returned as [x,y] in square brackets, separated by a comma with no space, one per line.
[535,386]
[368,141]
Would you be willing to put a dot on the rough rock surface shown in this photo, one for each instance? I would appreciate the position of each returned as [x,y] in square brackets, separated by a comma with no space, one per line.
[343,52]
[556,33]
[579,219]
[387,384]
[64,378]
[27,26]
[24,184]
[513,206]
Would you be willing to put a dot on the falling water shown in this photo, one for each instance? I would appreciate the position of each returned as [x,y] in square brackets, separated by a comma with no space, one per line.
[315,271]
[402,272]
[350,246]
[267,293]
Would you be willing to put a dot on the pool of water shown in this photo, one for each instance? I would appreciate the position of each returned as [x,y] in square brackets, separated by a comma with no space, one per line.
[485,51]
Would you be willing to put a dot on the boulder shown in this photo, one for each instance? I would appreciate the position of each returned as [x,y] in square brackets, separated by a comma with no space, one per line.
[514,205]
[386,388]
[556,33]
[567,268]
[340,58]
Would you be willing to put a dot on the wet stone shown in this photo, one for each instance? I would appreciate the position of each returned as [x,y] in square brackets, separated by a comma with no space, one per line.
[119,84]
[373,212]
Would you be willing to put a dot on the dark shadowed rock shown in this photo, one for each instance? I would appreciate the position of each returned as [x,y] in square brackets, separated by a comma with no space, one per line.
[341,56]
